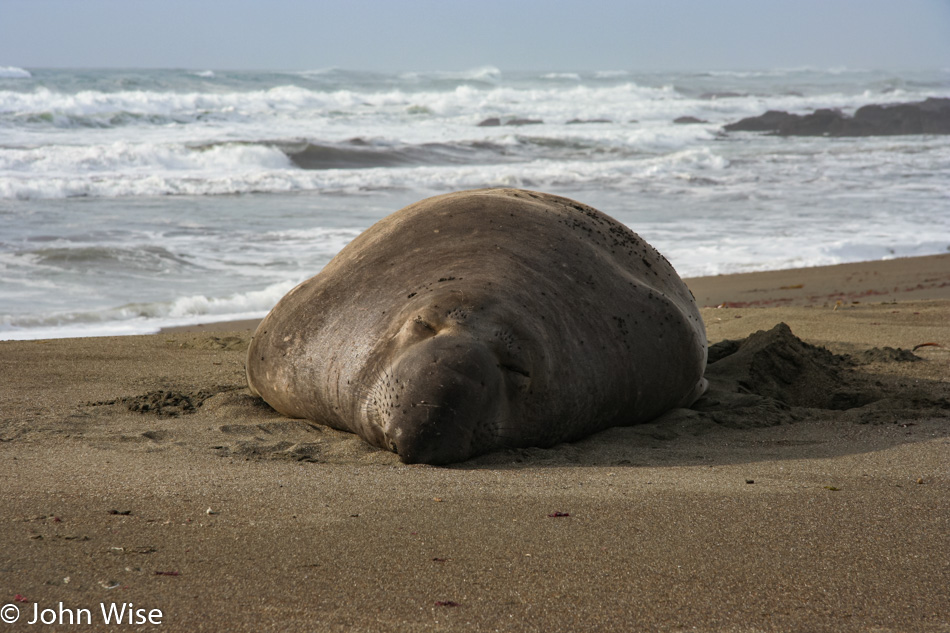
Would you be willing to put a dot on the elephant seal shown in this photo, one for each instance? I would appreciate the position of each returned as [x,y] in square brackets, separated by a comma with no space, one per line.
[481,320]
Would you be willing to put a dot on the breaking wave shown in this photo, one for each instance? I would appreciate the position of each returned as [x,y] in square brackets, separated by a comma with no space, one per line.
[145,318]
[12,72]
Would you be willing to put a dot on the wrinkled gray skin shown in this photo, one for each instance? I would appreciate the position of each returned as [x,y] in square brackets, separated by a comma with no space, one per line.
[481,320]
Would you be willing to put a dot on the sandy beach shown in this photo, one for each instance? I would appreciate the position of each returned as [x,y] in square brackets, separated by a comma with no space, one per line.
[808,491]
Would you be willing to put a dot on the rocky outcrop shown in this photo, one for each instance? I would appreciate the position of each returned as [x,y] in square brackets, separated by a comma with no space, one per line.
[931,116]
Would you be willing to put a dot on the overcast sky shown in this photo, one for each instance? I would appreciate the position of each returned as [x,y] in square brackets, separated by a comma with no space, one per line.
[458,34]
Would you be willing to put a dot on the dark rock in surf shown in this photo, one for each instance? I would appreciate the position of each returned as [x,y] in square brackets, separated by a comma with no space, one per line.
[524,122]
[497,121]
[931,116]
[771,121]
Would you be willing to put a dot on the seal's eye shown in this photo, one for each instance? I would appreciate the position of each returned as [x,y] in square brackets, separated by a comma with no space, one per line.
[417,329]
[515,369]
[516,377]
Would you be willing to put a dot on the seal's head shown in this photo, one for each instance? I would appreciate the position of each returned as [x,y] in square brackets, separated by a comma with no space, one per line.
[450,387]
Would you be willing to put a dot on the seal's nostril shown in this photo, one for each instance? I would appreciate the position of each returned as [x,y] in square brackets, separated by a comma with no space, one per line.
[392,447]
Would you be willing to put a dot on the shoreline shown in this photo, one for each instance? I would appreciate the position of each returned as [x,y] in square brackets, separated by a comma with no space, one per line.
[139,469]
[898,279]
[901,279]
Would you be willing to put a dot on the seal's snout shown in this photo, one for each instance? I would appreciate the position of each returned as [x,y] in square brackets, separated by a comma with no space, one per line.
[452,387]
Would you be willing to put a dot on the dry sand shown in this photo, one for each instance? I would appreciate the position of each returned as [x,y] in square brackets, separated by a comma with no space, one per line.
[806,492]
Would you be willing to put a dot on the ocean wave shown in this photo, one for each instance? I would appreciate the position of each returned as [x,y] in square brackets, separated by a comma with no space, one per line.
[104,120]
[317,72]
[322,239]
[144,318]
[567,76]
[705,254]
[238,304]
[294,104]
[482,74]
[125,168]
[13,72]
[193,104]
[360,154]
[398,114]
[136,158]
[215,178]
[783,72]
[90,257]
[608,155]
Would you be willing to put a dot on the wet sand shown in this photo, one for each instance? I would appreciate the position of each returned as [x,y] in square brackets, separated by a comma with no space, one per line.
[810,491]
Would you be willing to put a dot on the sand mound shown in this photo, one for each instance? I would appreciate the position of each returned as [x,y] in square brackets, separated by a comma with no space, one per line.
[885,355]
[778,365]
[774,372]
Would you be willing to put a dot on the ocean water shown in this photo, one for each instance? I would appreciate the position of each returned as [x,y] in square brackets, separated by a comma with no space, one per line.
[132,200]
